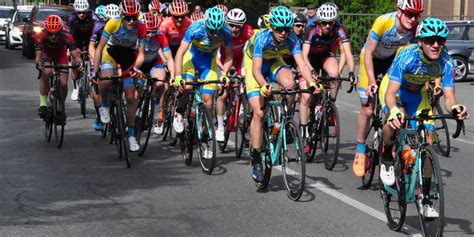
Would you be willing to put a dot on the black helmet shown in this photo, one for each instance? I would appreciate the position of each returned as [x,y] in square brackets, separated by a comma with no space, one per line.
[299,17]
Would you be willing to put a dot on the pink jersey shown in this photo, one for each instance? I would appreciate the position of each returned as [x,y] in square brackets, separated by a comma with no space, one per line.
[238,44]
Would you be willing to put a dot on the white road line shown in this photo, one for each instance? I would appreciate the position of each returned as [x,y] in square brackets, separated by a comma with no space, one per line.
[462,140]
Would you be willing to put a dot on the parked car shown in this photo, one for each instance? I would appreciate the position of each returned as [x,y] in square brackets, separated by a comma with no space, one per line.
[6,14]
[460,45]
[14,27]
[34,24]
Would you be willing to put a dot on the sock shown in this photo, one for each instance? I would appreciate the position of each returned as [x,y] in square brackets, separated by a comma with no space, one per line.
[131,131]
[74,83]
[97,112]
[360,148]
[43,100]
[304,130]
[220,122]
[104,104]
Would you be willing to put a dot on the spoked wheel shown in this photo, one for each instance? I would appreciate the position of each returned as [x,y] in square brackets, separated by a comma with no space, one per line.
[122,133]
[372,158]
[293,162]
[113,130]
[395,204]
[430,167]
[82,98]
[311,143]
[441,136]
[48,125]
[169,132]
[330,138]
[206,139]
[227,122]
[266,161]
[240,130]
[144,123]
[59,117]
[186,142]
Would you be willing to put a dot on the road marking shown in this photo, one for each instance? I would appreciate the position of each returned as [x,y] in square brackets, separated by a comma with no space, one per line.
[462,140]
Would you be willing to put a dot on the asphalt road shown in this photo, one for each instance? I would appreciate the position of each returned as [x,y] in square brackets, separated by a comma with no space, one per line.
[83,189]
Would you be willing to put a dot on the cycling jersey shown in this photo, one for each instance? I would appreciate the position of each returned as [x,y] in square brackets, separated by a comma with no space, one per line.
[97,32]
[152,46]
[238,44]
[174,33]
[201,43]
[81,30]
[412,70]
[117,35]
[54,51]
[325,44]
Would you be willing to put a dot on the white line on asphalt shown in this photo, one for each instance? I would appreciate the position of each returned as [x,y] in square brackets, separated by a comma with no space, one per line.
[462,140]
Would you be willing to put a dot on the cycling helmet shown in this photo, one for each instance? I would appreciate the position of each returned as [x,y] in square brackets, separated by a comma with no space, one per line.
[281,17]
[432,27]
[327,12]
[112,11]
[178,8]
[222,7]
[100,12]
[263,21]
[197,16]
[154,6]
[130,7]
[215,19]
[81,5]
[53,24]
[236,16]
[299,17]
[152,21]
[415,6]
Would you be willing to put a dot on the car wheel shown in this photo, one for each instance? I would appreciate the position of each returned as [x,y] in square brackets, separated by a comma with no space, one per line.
[461,68]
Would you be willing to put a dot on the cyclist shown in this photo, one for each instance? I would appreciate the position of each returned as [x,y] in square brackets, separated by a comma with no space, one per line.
[319,52]
[241,32]
[197,13]
[81,24]
[388,33]
[155,7]
[198,52]
[174,27]
[403,92]
[122,42]
[51,46]
[262,23]
[155,45]
[222,7]
[263,58]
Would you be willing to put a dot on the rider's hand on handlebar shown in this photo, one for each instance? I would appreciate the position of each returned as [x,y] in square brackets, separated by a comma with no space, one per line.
[39,65]
[437,91]
[178,81]
[316,87]
[352,78]
[461,111]
[396,118]
[266,90]
[135,72]
[370,89]
[94,77]
[224,79]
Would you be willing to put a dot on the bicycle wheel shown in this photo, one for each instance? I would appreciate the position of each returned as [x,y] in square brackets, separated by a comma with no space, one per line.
[330,138]
[311,143]
[59,116]
[441,136]
[227,117]
[395,205]
[122,133]
[293,162]
[48,125]
[240,130]
[82,98]
[186,142]
[266,159]
[430,165]
[144,122]
[206,135]
[105,130]
[372,157]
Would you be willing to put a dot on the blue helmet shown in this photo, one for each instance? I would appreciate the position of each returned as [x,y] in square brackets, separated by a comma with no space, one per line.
[281,17]
[100,12]
[215,19]
[432,27]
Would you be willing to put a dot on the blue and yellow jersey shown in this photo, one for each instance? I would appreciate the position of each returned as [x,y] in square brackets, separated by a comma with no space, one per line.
[263,45]
[384,32]
[117,34]
[197,36]
[413,70]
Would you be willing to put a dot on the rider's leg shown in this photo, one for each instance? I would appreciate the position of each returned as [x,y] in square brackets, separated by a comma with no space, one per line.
[330,66]
[304,110]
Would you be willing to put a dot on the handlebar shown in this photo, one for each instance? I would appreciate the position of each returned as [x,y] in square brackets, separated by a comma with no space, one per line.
[326,79]
[56,67]
[423,116]
[112,78]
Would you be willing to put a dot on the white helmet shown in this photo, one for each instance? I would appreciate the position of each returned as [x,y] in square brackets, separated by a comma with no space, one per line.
[112,11]
[416,6]
[327,12]
[81,5]
[236,16]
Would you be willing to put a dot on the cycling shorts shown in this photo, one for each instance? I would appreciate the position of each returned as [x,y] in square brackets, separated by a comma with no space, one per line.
[412,102]
[206,65]
[152,67]
[113,55]
[380,67]
[318,60]
[269,70]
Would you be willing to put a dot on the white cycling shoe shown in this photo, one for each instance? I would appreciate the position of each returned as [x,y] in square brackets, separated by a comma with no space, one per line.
[206,151]
[75,94]
[132,141]
[220,135]
[104,114]
[387,175]
[178,123]
[158,128]
[427,210]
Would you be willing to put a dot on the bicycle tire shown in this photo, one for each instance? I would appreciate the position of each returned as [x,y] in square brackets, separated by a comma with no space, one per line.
[432,226]
[267,160]
[105,130]
[186,142]
[223,145]
[293,168]
[443,142]
[331,119]
[122,133]
[144,122]
[395,222]
[312,141]
[48,125]
[204,118]
[373,148]
[240,130]
[59,116]
[82,102]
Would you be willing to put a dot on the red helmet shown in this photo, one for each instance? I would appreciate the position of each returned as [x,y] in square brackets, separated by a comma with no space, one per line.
[154,6]
[178,8]
[152,21]
[53,24]
[222,7]
[415,6]
[197,16]
[130,7]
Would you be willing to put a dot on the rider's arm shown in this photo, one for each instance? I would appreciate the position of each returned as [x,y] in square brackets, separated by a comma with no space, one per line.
[257,71]
[348,55]
[303,68]
[391,94]
[98,53]
[91,50]
[140,57]
[342,59]
[228,60]
[368,60]
[169,62]
[218,58]
[305,54]
[178,64]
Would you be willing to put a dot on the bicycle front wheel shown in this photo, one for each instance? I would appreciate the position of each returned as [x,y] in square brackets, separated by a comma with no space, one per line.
[240,130]
[266,159]
[122,133]
[431,226]
[293,161]
[441,136]
[144,123]
[330,138]
[206,139]
[373,148]
[395,203]
[59,116]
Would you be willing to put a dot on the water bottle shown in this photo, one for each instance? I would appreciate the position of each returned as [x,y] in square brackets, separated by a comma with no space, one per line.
[275,131]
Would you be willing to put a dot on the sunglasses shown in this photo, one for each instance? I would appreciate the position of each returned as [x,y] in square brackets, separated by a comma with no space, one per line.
[178,17]
[299,25]
[130,18]
[327,23]
[410,15]
[214,32]
[152,32]
[234,26]
[81,13]
[432,40]
[53,34]
[282,29]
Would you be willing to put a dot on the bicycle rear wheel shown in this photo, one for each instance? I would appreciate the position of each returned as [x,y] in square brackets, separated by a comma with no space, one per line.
[186,142]
[431,226]
[206,139]
[240,130]
[395,205]
[82,102]
[122,132]
[441,136]
[372,157]
[266,160]
[293,162]
[227,115]
[330,138]
[59,116]
[144,122]
[48,125]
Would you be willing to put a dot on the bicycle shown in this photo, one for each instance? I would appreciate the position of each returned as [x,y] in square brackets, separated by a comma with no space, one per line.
[324,125]
[280,136]
[55,119]
[409,173]
[169,112]
[440,138]
[116,127]
[200,126]
[84,82]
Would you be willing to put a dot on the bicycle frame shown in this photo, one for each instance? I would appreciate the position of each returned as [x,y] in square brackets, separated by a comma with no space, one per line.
[269,119]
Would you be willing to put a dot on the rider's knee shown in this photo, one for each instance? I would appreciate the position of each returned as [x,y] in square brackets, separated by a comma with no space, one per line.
[367,112]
